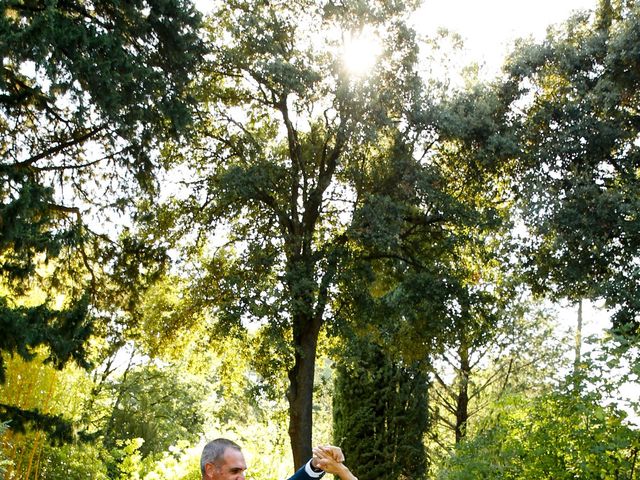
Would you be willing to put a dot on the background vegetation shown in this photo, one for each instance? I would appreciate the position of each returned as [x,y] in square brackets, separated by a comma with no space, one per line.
[215,226]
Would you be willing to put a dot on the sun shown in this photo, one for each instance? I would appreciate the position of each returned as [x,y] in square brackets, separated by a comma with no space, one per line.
[360,52]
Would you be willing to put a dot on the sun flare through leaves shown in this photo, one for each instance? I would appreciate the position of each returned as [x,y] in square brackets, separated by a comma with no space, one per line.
[361,51]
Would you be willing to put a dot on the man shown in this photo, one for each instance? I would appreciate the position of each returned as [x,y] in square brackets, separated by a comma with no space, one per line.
[222,459]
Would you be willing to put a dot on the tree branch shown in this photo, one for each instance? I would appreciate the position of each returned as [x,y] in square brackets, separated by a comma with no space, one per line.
[60,147]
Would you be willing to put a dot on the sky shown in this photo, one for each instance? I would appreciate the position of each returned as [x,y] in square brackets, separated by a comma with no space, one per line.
[489,27]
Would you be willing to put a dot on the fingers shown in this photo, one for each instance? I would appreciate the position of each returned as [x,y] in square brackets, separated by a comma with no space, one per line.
[327,464]
[334,452]
[329,451]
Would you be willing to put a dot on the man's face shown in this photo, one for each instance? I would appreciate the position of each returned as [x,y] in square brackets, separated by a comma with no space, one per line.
[231,467]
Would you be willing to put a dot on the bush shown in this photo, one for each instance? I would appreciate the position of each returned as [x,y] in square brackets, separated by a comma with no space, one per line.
[561,435]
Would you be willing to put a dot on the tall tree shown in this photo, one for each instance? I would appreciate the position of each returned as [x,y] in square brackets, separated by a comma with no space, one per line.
[380,412]
[285,131]
[578,176]
[88,91]
[440,282]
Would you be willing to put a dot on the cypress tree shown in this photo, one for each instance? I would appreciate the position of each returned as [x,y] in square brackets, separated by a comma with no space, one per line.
[380,414]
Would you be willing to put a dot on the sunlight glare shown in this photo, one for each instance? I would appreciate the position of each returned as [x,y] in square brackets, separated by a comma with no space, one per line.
[360,52]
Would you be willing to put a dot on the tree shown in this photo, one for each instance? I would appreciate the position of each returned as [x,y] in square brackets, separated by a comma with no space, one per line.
[575,430]
[159,405]
[577,180]
[88,91]
[380,413]
[283,135]
[441,282]
[486,362]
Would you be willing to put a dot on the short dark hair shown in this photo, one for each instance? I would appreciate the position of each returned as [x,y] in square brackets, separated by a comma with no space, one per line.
[214,451]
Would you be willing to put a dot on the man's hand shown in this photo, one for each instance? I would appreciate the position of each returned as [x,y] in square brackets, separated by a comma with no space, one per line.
[323,453]
[329,459]
[329,451]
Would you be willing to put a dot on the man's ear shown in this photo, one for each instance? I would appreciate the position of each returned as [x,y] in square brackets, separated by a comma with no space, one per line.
[210,470]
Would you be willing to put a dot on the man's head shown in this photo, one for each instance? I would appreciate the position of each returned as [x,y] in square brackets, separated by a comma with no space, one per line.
[222,459]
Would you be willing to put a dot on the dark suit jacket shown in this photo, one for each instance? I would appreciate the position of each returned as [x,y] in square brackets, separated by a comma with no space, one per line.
[302,474]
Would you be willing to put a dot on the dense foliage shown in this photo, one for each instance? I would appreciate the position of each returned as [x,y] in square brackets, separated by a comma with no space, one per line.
[571,431]
[578,172]
[221,228]
[88,91]
[380,414]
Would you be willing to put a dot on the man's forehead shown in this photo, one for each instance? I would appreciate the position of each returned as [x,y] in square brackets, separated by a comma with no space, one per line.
[234,458]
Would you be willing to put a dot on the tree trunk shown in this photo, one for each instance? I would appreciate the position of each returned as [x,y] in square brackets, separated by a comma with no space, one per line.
[578,339]
[300,394]
[110,426]
[462,402]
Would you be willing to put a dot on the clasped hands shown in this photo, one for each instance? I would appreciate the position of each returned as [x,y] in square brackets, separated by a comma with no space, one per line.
[329,459]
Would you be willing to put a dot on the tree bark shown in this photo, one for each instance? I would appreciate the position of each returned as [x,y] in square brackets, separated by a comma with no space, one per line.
[462,401]
[300,394]
[578,340]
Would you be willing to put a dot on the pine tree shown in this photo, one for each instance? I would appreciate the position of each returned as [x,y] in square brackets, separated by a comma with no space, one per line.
[88,93]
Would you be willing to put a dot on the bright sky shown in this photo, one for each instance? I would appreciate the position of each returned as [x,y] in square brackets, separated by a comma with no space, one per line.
[489,27]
